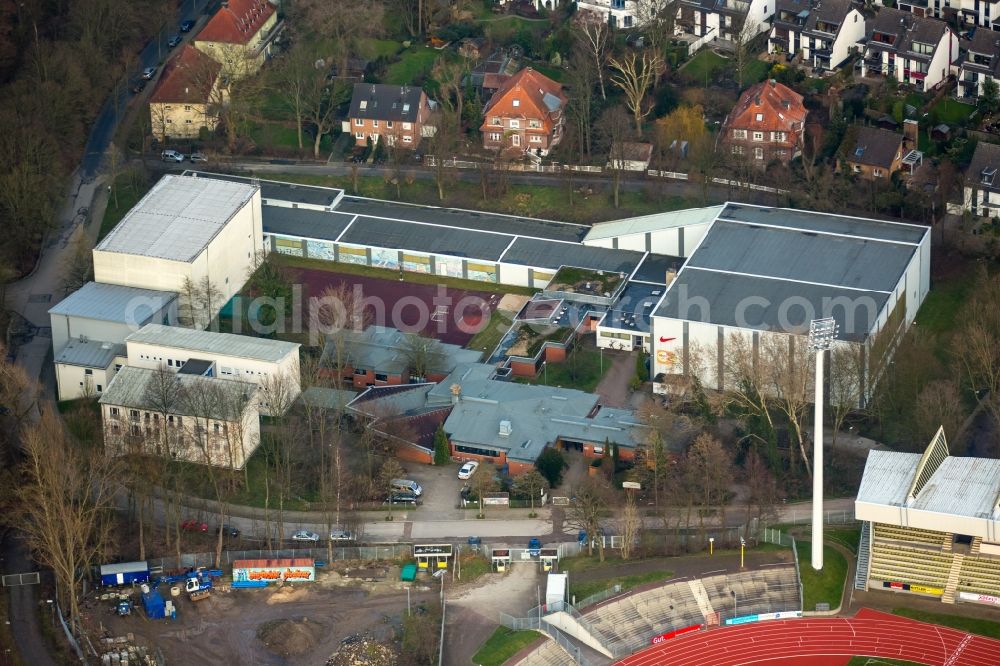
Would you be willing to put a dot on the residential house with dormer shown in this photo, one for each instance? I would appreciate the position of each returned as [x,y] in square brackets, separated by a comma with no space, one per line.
[766,124]
[981,194]
[526,114]
[963,13]
[240,36]
[395,113]
[979,63]
[187,96]
[871,153]
[916,51]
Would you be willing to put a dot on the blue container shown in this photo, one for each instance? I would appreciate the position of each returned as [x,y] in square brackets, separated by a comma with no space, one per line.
[156,608]
[124,573]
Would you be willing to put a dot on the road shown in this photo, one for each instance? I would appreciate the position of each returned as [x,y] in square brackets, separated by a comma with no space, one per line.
[106,123]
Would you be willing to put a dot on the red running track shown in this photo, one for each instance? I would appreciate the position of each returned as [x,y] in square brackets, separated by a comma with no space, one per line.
[817,641]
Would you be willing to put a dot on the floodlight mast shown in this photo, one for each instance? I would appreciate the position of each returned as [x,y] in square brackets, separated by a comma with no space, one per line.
[822,333]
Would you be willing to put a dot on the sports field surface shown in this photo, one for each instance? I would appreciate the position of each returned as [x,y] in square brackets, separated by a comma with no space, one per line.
[823,642]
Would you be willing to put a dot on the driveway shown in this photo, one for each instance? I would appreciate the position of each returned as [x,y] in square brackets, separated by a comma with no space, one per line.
[441,490]
[614,386]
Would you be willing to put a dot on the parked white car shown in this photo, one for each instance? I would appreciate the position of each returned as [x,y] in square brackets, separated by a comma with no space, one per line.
[148,73]
[171,156]
[305,535]
[468,469]
[341,535]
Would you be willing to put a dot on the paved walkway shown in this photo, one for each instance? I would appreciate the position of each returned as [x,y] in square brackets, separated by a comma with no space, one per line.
[614,386]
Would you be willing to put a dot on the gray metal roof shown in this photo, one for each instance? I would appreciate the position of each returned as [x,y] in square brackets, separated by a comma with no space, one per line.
[90,353]
[960,486]
[223,344]
[727,295]
[379,232]
[112,302]
[538,415]
[313,195]
[824,222]
[545,254]
[177,218]
[464,219]
[129,389]
[327,398]
[304,222]
[383,349]
[791,254]
[634,308]
[655,266]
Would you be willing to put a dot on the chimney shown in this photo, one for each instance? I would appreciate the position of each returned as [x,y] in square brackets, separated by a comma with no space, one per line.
[910,133]
[456,393]
[505,428]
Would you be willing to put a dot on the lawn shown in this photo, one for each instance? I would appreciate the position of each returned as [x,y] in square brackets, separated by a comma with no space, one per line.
[393,274]
[938,313]
[540,201]
[474,566]
[848,537]
[582,590]
[756,71]
[951,111]
[502,645]
[376,48]
[972,625]
[585,376]
[825,585]
[280,135]
[704,66]
[127,189]
[413,67]
[489,337]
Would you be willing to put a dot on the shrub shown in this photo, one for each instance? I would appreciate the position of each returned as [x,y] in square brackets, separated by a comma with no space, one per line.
[551,464]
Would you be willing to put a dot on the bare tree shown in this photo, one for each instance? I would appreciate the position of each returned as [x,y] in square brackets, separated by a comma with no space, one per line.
[339,313]
[391,469]
[743,33]
[846,385]
[593,35]
[762,489]
[423,355]
[631,524]
[786,364]
[635,77]
[939,405]
[65,502]
[79,270]
[531,484]
[746,391]
[614,130]
[710,463]
[292,77]
[587,512]
[443,144]
[483,482]
[975,346]
[345,25]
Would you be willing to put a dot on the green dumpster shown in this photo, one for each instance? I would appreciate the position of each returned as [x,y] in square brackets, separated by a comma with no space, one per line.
[409,572]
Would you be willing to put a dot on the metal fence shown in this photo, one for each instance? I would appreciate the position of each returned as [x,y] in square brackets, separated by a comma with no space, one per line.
[676,175]
[748,186]
[377,552]
[12,580]
[804,516]
[538,623]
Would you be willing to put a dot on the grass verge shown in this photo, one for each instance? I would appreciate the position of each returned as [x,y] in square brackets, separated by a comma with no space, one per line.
[848,538]
[973,625]
[586,588]
[826,585]
[938,313]
[473,567]
[502,645]
[393,274]
[487,339]
[125,193]
[583,373]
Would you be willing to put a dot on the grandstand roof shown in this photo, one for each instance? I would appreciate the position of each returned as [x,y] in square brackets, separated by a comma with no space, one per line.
[931,491]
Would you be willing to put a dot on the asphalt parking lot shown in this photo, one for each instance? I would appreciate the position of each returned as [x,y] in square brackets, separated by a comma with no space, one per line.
[441,490]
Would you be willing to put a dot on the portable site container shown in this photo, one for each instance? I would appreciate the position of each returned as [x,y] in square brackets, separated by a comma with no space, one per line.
[124,573]
[156,607]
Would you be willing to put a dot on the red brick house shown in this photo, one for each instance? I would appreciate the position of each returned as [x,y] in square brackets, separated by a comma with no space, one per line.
[766,124]
[391,112]
[525,114]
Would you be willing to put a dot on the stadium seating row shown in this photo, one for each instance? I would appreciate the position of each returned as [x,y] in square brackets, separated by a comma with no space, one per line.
[548,653]
[980,575]
[913,534]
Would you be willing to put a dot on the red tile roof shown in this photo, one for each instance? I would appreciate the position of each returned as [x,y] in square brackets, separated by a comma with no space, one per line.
[530,89]
[781,109]
[188,77]
[236,22]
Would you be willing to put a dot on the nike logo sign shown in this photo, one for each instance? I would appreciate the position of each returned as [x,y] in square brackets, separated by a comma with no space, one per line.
[663,339]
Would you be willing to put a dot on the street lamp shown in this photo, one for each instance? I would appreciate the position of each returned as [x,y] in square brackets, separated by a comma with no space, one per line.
[743,545]
[822,333]
[711,545]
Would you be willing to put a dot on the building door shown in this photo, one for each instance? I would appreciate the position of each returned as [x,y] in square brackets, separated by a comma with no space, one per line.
[515,140]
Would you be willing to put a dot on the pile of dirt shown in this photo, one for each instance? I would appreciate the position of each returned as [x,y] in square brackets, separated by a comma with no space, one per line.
[291,636]
[363,651]
[287,594]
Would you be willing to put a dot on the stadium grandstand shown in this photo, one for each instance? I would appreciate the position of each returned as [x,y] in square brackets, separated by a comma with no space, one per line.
[930,525]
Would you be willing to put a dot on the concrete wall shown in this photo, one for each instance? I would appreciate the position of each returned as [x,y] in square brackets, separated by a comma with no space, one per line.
[73,382]
[673,241]
[66,328]
[229,447]
[902,516]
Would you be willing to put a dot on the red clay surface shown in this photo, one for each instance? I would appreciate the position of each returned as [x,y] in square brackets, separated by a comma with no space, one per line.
[450,315]
[823,641]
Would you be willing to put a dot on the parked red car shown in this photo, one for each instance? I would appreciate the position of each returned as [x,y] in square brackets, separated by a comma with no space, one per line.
[192,525]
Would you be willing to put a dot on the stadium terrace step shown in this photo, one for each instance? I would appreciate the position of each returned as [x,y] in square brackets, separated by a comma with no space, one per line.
[953,577]
[864,557]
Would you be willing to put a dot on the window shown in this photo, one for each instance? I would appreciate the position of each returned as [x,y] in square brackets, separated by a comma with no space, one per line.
[360,371]
[515,124]
[363,105]
[739,134]
[778,136]
[358,122]
[223,370]
[535,139]
[738,150]
[857,168]
[118,366]
[187,107]
[758,153]
[486,453]
[515,140]
[170,420]
[496,121]
[758,136]
[516,102]
[922,48]
[534,123]
[407,126]
[360,136]
[167,107]
[217,428]
[617,4]
[113,411]
[374,123]
[759,117]
[99,389]
[407,139]
[877,173]
[88,371]
[494,136]
[169,120]
[381,377]
[170,362]
[115,429]
[388,124]
[188,122]
[133,414]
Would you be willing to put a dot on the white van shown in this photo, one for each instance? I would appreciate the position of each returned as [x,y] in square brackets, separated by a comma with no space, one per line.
[407,486]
